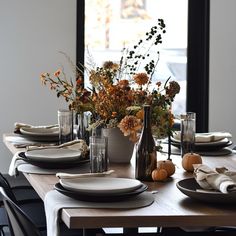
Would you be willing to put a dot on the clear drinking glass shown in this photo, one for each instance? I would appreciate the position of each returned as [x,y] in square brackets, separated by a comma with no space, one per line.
[65,121]
[188,127]
[98,154]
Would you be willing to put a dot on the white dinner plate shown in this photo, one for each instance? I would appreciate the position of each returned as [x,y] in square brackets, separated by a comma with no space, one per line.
[40,131]
[53,154]
[213,143]
[100,184]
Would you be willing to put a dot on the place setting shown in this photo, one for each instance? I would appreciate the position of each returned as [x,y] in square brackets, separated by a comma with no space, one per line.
[210,185]
[97,189]
[43,133]
[49,160]
[100,189]
[98,186]
[206,142]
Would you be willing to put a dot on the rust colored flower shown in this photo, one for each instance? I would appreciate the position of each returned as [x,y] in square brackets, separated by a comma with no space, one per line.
[110,65]
[141,78]
[114,114]
[172,89]
[124,83]
[140,114]
[79,82]
[57,73]
[130,125]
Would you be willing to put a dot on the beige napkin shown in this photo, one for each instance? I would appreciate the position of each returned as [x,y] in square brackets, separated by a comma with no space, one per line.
[62,175]
[219,179]
[19,125]
[74,145]
[206,137]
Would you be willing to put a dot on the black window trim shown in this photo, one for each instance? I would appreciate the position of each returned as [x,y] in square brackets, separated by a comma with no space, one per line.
[198,62]
[197,56]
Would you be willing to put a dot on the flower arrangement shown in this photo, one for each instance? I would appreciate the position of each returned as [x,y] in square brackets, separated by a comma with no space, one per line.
[119,90]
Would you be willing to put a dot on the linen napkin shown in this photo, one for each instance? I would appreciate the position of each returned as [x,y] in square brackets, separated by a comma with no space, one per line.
[63,175]
[74,145]
[219,179]
[19,125]
[206,137]
[55,201]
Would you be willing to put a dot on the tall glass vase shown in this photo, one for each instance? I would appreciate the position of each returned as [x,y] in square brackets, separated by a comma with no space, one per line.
[83,120]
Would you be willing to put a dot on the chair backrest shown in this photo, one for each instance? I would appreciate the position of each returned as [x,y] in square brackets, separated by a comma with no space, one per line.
[19,223]
[7,188]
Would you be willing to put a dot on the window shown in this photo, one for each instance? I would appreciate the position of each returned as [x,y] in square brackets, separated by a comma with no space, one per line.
[106,26]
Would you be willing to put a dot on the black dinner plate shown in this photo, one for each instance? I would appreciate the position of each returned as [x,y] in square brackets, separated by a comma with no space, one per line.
[91,197]
[206,147]
[189,187]
[54,165]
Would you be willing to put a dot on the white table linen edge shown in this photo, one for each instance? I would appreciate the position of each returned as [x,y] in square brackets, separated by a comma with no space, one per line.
[55,201]
[14,164]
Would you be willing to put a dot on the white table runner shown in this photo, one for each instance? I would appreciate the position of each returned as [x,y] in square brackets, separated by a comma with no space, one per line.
[54,201]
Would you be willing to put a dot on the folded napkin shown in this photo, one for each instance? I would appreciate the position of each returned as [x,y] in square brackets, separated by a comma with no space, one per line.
[206,137]
[18,126]
[54,201]
[219,179]
[74,145]
[74,176]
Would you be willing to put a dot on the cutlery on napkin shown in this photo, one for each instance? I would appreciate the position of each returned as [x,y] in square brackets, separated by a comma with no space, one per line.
[19,125]
[206,137]
[219,179]
[74,176]
[78,144]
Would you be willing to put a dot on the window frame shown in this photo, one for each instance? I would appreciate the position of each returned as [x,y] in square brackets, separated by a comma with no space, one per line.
[197,93]
[198,62]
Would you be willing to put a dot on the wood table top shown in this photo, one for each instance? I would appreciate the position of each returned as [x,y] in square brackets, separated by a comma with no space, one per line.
[171,207]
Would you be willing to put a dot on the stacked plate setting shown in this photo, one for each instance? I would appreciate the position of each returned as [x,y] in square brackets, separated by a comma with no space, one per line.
[100,189]
[209,142]
[40,133]
[53,158]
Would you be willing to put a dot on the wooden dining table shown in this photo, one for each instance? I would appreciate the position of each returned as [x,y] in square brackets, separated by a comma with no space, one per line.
[171,207]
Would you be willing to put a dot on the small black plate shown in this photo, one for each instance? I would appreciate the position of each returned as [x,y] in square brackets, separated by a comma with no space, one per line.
[91,197]
[189,187]
[54,165]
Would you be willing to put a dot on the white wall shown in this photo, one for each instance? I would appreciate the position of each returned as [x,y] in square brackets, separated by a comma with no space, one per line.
[222,113]
[31,34]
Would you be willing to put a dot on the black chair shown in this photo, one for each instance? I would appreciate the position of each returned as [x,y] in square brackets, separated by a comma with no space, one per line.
[20,187]
[34,208]
[3,221]
[19,223]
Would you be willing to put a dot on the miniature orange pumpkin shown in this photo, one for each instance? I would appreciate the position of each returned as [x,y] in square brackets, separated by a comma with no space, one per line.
[159,174]
[167,165]
[189,159]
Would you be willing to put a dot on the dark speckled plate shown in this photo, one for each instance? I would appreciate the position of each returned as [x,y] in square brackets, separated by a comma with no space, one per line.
[189,187]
